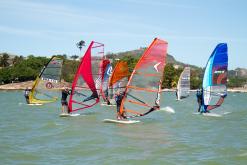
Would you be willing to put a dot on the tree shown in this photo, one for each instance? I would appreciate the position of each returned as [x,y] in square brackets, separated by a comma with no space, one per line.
[131,62]
[80,44]
[169,76]
[17,59]
[74,57]
[4,60]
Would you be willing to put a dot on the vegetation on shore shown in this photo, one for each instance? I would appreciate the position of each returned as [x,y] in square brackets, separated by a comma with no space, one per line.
[19,69]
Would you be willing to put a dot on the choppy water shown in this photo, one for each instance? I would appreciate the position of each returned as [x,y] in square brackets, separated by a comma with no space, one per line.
[36,135]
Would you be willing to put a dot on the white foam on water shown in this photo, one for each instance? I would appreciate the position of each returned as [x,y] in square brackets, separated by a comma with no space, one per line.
[225,113]
[211,115]
[243,154]
[167,109]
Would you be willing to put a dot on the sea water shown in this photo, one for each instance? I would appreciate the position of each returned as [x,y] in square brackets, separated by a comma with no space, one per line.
[37,135]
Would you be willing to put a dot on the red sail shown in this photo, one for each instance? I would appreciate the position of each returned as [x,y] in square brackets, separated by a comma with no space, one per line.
[85,88]
[143,89]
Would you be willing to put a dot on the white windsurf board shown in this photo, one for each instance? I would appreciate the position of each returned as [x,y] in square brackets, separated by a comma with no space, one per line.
[121,121]
[69,114]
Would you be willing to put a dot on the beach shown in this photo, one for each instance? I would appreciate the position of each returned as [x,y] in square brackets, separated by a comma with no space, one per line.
[23,85]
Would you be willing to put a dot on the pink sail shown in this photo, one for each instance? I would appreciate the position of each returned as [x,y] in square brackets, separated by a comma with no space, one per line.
[86,85]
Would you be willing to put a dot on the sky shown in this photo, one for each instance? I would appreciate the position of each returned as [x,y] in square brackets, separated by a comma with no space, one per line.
[192,28]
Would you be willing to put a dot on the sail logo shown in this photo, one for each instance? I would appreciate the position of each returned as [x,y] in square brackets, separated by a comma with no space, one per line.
[109,71]
[50,80]
[185,78]
[219,71]
[156,66]
[49,85]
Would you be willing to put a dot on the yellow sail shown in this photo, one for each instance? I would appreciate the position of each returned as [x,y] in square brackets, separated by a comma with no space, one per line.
[46,86]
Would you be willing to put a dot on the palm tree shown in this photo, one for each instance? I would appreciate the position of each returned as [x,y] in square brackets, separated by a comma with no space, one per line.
[80,44]
[17,59]
[4,60]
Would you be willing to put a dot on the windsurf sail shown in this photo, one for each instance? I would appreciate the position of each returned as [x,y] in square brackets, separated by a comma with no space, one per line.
[107,70]
[119,78]
[46,86]
[183,87]
[86,86]
[144,86]
[215,78]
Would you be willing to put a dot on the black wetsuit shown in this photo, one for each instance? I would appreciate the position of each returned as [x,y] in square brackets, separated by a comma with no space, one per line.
[26,94]
[64,97]
[118,100]
[199,100]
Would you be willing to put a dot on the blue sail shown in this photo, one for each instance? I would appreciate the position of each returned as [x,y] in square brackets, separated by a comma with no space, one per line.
[215,78]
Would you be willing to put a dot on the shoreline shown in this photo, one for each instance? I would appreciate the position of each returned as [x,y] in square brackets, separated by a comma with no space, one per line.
[22,85]
[234,90]
[29,84]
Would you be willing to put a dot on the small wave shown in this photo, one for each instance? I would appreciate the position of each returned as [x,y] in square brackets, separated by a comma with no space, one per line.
[225,113]
[167,109]
[58,124]
[243,154]
[212,115]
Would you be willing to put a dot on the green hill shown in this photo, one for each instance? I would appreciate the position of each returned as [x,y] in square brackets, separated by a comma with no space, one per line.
[18,68]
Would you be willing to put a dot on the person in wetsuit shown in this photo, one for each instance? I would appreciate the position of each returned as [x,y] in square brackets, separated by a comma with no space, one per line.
[118,98]
[199,99]
[199,95]
[26,94]
[65,93]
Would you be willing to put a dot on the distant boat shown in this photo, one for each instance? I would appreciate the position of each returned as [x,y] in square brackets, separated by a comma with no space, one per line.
[46,87]
[183,87]
[87,83]
[215,78]
[144,86]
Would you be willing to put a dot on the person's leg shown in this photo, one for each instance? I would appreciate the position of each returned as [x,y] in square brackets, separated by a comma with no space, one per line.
[199,108]
[67,106]
[27,99]
[118,112]
[62,106]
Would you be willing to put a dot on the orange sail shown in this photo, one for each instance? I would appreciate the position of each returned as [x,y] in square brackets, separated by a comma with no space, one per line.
[144,86]
[119,78]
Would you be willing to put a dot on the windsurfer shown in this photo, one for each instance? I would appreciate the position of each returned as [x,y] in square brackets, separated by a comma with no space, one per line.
[26,94]
[118,98]
[201,108]
[199,99]
[65,93]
